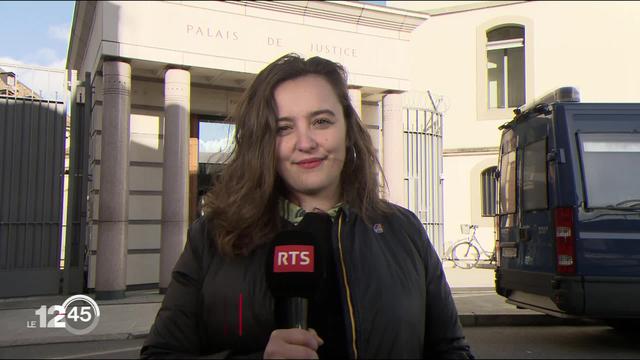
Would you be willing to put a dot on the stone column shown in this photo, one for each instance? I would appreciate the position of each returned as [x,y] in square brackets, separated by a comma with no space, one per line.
[392,147]
[175,171]
[355,95]
[111,261]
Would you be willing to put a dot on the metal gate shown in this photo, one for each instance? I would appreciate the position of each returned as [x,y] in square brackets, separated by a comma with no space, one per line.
[76,230]
[422,140]
[32,143]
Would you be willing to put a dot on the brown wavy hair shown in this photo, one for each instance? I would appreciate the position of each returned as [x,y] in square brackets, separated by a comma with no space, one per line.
[242,205]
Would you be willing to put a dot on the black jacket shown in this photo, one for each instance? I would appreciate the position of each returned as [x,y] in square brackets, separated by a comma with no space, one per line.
[398,303]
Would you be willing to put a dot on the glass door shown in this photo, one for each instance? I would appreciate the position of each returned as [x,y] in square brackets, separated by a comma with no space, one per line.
[215,143]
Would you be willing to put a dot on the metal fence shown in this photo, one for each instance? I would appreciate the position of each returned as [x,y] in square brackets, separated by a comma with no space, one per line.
[33,82]
[32,149]
[422,125]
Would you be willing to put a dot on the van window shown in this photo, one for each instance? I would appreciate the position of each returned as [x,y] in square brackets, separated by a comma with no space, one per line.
[508,183]
[534,176]
[611,169]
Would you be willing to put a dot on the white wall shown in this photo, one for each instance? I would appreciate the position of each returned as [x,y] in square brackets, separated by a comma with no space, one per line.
[462,202]
[590,45]
[230,37]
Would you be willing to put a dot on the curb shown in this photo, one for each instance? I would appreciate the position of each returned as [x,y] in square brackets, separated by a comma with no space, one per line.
[470,289]
[138,335]
[478,320]
[73,339]
[466,320]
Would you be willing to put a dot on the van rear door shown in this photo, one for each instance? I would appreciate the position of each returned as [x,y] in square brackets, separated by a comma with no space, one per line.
[606,140]
[524,217]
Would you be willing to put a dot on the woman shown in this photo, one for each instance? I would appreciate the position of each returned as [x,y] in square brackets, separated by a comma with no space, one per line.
[300,147]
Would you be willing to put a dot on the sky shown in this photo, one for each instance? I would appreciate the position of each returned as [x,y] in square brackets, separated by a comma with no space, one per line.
[38,32]
[38,35]
[215,137]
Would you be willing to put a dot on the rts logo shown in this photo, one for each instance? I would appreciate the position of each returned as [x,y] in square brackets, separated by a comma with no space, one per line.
[293,258]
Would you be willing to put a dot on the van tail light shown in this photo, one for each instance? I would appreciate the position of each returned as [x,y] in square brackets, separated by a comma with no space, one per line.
[496,233]
[565,241]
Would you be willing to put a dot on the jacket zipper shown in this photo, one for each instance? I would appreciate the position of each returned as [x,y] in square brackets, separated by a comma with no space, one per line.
[348,291]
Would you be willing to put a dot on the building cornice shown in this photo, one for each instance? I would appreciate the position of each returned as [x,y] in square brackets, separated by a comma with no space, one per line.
[471,7]
[83,19]
[350,12]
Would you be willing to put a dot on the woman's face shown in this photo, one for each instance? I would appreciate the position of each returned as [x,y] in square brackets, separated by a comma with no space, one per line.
[311,139]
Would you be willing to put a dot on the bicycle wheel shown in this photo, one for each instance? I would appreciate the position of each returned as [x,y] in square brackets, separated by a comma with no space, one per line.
[465,255]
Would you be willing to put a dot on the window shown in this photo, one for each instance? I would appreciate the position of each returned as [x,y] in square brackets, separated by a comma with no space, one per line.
[489,187]
[216,140]
[611,168]
[507,201]
[505,67]
[534,176]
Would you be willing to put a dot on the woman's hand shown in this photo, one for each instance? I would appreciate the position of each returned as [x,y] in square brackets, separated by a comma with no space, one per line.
[293,344]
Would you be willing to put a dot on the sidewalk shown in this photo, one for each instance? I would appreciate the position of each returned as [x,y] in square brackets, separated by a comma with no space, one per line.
[478,303]
[473,292]
[126,318]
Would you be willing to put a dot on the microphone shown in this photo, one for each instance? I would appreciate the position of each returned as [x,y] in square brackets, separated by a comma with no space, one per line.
[296,268]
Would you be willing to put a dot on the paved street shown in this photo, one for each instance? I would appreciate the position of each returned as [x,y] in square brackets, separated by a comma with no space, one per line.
[494,329]
[552,342]
[513,342]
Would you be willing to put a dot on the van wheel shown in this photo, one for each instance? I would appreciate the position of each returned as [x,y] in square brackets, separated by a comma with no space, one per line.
[624,325]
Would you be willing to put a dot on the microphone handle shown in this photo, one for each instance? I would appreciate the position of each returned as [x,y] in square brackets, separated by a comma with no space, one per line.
[296,312]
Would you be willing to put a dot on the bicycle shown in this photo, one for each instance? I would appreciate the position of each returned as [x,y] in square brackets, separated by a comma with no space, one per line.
[465,253]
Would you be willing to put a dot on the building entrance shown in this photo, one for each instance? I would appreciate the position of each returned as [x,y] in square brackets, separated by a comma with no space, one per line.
[215,136]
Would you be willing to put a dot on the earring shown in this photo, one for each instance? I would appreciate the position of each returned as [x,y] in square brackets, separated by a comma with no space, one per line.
[355,154]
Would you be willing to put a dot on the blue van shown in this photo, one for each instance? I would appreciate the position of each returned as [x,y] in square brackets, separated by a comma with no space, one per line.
[568,213]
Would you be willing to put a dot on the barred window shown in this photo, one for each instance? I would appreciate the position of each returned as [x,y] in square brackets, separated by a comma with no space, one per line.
[489,187]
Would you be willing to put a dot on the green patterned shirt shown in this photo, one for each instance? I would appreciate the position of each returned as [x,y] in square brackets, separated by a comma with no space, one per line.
[294,213]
